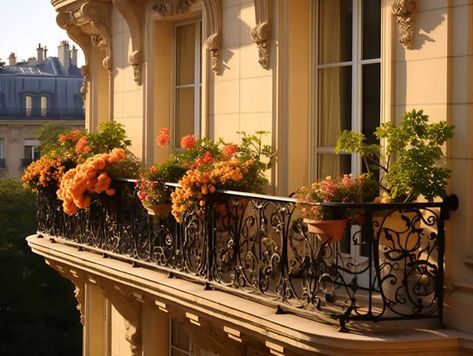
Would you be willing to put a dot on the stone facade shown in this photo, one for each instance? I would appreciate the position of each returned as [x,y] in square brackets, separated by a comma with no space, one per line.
[259,72]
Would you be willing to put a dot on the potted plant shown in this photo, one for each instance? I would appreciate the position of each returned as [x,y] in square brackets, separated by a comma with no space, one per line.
[329,223]
[233,167]
[410,163]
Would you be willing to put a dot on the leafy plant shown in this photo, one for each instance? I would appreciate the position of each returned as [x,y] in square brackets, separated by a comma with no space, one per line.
[410,163]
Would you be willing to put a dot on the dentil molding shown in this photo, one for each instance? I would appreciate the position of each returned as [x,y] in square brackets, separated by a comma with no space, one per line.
[261,33]
[404,10]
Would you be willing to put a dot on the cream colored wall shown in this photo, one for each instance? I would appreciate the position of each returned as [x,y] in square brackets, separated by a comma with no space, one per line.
[242,97]
[128,96]
[96,315]
[436,75]
[118,331]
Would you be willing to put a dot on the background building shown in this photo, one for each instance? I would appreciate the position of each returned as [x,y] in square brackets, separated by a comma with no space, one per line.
[41,90]
[303,70]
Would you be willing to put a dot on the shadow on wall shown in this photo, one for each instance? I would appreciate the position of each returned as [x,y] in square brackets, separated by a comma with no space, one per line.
[425,24]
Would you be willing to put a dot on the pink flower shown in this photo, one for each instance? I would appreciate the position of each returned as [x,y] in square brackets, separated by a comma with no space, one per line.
[163,138]
[188,142]
[142,195]
[207,157]
[229,150]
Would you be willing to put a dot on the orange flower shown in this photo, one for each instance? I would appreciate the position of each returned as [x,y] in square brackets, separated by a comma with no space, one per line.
[163,138]
[229,150]
[82,145]
[188,142]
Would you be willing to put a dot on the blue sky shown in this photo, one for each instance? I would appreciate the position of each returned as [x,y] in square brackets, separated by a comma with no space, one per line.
[24,24]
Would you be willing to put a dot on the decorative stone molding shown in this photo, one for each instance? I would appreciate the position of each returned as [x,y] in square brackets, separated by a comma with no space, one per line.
[404,10]
[78,280]
[172,7]
[261,33]
[125,302]
[85,84]
[214,28]
[133,11]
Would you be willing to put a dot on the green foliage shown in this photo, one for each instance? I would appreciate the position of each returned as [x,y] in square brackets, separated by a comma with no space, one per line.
[37,306]
[411,162]
[110,135]
[48,137]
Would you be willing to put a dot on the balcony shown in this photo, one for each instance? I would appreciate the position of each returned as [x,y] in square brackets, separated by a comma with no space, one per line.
[388,267]
[25,162]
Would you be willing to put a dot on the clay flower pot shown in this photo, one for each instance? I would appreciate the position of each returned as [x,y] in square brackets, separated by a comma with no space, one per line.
[159,210]
[327,230]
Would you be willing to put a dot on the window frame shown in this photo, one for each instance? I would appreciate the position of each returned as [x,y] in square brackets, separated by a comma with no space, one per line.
[198,74]
[356,64]
[189,350]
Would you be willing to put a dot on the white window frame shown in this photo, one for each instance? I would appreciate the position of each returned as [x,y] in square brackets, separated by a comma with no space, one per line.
[31,143]
[197,85]
[357,66]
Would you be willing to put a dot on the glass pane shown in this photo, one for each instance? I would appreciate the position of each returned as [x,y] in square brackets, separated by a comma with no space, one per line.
[335,31]
[185,54]
[175,352]
[333,165]
[371,29]
[371,99]
[179,336]
[334,104]
[184,113]
[28,152]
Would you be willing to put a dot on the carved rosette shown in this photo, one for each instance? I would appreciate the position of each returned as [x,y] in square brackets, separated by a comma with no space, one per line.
[261,33]
[404,10]
[172,7]
[214,27]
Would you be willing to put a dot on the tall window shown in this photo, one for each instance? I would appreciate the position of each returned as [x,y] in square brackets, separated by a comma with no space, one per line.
[348,60]
[187,79]
[180,343]
[28,106]
[31,151]
[44,106]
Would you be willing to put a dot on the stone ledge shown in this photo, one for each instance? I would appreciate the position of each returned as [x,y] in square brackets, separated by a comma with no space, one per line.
[249,317]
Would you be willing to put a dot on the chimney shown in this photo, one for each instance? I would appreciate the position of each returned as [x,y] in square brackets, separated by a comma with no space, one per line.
[74,56]
[32,61]
[45,52]
[64,56]
[40,53]
[12,59]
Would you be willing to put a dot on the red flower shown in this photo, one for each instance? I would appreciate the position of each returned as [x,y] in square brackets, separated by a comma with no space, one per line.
[142,195]
[188,142]
[82,145]
[229,150]
[208,158]
[163,138]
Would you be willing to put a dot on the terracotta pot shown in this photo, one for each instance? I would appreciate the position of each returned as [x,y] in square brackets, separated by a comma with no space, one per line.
[159,210]
[327,230]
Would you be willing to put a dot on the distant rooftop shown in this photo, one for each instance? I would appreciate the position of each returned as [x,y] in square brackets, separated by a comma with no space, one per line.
[51,66]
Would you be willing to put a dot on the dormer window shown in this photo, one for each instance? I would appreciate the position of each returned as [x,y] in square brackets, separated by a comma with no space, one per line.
[28,105]
[36,105]
[44,106]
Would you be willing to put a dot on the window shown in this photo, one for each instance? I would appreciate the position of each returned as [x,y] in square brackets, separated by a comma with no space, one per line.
[28,106]
[31,149]
[44,106]
[347,76]
[2,154]
[180,343]
[187,79]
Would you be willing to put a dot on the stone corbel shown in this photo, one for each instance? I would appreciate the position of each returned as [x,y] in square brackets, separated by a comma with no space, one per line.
[213,9]
[172,7]
[66,21]
[97,16]
[261,33]
[404,10]
[128,306]
[133,11]
[79,282]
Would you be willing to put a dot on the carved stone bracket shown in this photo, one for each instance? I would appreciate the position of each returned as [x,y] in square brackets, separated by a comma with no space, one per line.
[79,282]
[129,308]
[97,18]
[261,33]
[172,7]
[133,11]
[404,10]
[214,40]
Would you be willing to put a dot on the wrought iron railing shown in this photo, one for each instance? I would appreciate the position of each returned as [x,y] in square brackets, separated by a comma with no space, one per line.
[389,266]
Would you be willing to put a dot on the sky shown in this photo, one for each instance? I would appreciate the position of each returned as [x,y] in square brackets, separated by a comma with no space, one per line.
[24,24]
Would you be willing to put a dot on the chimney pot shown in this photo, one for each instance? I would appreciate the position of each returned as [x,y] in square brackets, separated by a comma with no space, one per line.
[12,59]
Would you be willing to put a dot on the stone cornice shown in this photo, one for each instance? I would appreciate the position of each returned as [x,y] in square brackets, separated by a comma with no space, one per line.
[249,318]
